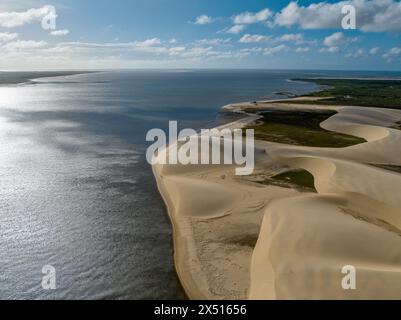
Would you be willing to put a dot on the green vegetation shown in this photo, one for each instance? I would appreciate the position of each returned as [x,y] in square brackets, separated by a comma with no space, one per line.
[301,128]
[352,92]
[397,126]
[388,167]
[246,241]
[300,178]
[286,94]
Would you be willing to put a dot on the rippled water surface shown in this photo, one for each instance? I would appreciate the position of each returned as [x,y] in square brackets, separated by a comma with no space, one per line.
[75,189]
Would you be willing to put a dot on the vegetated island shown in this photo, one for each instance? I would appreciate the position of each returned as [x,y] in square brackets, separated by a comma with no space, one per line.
[324,195]
[379,93]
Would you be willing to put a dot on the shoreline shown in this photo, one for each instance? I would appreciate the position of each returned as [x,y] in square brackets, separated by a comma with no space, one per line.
[187,282]
[28,79]
[198,251]
[189,286]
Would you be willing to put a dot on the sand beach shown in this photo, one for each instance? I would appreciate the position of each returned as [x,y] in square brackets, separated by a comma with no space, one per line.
[248,238]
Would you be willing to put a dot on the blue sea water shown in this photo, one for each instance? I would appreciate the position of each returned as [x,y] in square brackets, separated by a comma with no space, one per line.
[75,189]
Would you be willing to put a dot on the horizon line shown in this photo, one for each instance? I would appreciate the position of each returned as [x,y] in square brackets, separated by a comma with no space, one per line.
[197,69]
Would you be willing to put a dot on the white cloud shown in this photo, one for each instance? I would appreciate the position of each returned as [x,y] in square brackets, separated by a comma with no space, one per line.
[358,53]
[213,42]
[197,52]
[280,48]
[153,45]
[173,41]
[252,50]
[336,39]
[5,36]
[147,47]
[205,53]
[149,42]
[392,54]
[302,49]
[203,19]
[249,17]
[395,51]
[21,18]
[289,16]
[374,50]
[372,15]
[137,54]
[16,5]
[296,38]
[228,55]
[24,45]
[62,32]
[254,38]
[330,50]
[176,51]
[292,37]
[236,29]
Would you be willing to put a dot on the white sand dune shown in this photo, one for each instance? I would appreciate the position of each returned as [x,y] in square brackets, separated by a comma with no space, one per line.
[304,244]
[238,238]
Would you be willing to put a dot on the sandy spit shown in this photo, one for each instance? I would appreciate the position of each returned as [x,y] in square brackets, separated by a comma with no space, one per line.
[244,238]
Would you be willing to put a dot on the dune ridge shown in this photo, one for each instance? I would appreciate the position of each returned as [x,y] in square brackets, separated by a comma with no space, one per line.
[241,238]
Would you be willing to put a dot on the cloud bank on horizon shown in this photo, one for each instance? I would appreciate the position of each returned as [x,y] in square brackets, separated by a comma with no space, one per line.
[154,34]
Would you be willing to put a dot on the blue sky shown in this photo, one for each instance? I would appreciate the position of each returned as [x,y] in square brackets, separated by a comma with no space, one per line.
[105,34]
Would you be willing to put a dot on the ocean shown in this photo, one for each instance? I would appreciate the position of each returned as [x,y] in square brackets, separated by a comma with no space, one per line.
[76,191]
